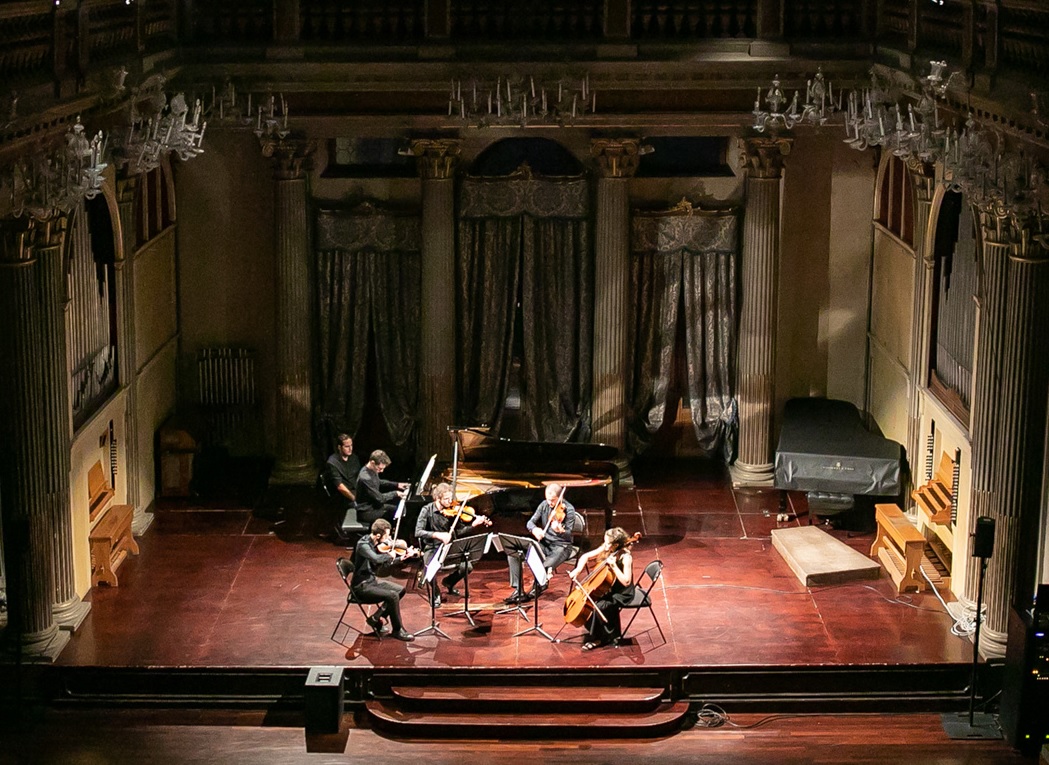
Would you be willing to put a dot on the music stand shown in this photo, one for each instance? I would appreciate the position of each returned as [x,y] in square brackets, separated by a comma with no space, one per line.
[431,570]
[518,547]
[465,550]
[528,548]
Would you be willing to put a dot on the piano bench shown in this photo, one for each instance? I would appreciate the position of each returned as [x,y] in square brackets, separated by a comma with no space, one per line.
[899,546]
[824,503]
[111,542]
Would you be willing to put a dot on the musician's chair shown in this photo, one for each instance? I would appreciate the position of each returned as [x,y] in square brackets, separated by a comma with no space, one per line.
[643,596]
[345,569]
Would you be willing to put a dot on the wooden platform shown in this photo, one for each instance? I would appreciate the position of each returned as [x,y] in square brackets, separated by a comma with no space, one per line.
[818,559]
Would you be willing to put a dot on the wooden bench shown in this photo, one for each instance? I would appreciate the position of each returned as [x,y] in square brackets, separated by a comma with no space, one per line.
[936,497]
[111,541]
[899,546]
[99,492]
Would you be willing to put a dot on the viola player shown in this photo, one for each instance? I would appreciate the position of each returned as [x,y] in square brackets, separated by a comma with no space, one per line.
[551,524]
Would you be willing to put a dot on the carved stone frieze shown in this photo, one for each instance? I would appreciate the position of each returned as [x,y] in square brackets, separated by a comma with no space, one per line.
[616,157]
[437,158]
[764,156]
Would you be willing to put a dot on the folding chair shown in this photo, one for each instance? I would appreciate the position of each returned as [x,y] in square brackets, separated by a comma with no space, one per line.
[345,568]
[642,596]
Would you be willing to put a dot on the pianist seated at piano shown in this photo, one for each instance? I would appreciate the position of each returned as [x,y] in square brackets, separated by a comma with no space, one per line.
[551,524]
[376,497]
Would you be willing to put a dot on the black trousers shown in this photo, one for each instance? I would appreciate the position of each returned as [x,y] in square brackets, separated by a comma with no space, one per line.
[367,514]
[600,631]
[387,594]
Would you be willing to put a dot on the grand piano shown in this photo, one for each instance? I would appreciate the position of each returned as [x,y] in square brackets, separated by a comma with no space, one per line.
[825,450]
[506,476]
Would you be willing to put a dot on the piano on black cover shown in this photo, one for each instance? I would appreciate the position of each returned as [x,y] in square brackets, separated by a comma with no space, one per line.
[825,450]
[511,475]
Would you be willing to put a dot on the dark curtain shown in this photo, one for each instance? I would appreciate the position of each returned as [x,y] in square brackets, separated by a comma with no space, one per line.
[369,303]
[685,259]
[526,238]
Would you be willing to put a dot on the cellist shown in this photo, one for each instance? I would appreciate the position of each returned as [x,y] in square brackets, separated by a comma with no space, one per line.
[614,554]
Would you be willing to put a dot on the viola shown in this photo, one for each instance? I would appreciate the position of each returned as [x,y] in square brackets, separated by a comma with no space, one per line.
[398,548]
[580,602]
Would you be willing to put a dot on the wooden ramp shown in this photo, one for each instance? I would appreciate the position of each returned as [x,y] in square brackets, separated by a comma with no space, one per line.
[817,558]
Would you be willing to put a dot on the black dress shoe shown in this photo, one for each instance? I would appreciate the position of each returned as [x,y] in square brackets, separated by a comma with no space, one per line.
[400,634]
[517,597]
[375,622]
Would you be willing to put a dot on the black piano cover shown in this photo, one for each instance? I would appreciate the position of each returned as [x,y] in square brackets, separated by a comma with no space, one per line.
[823,446]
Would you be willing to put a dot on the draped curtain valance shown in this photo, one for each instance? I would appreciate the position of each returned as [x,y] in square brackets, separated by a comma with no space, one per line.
[536,197]
[367,227]
[685,258]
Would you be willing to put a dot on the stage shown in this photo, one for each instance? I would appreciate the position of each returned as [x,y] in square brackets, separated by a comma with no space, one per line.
[225,592]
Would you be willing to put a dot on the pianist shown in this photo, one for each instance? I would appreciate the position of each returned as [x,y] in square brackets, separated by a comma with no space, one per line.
[551,525]
[376,498]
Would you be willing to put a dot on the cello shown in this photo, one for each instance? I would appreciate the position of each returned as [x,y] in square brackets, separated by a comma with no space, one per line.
[581,601]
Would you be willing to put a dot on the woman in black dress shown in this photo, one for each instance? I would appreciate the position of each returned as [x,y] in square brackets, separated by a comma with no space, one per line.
[614,554]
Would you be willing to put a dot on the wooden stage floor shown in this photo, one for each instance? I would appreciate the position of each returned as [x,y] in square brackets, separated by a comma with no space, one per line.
[222,587]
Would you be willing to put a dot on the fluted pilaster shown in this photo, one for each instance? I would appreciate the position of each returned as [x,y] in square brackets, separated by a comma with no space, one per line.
[126,344]
[27,459]
[437,164]
[56,435]
[924,184]
[617,161]
[293,441]
[763,157]
[1009,419]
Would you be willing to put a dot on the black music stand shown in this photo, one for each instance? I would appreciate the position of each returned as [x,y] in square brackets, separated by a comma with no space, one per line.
[430,573]
[528,549]
[465,550]
[517,547]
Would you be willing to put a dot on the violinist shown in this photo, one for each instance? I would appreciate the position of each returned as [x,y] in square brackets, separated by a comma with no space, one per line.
[367,588]
[439,523]
[614,554]
[551,525]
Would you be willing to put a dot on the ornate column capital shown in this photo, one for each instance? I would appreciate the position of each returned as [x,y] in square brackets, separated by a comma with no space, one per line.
[616,157]
[16,242]
[923,178]
[764,155]
[438,157]
[289,155]
[1023,240]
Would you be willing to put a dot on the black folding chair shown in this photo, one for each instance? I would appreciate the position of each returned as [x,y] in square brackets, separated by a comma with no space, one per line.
[642,596]
[345,568]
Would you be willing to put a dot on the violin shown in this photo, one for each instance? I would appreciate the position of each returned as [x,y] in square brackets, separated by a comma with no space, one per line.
[398,548]
[463,512]
[580,602]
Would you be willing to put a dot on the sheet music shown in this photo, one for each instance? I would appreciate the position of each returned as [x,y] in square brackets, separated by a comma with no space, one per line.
[426,474]
[492,541]
[435,563]
[535,563]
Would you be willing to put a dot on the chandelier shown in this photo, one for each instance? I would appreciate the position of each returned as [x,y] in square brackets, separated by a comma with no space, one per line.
[520,101]
[819,105]
[244,109]
[157,127]
[53,181]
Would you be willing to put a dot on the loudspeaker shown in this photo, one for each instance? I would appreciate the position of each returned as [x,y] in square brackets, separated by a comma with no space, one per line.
[983,539]
[323,698]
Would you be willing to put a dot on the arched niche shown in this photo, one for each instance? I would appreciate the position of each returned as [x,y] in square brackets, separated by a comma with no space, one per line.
[545,157]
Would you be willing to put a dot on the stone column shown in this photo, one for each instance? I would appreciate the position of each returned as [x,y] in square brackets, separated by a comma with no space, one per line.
[127,362]
[1009,420]
[617,161]
[924,184]
[437,165]
[763,156]
[29,488]
[56,435]
[294,340]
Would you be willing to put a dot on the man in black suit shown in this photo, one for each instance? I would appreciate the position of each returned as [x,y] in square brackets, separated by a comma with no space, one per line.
[367,588]
[376,498]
